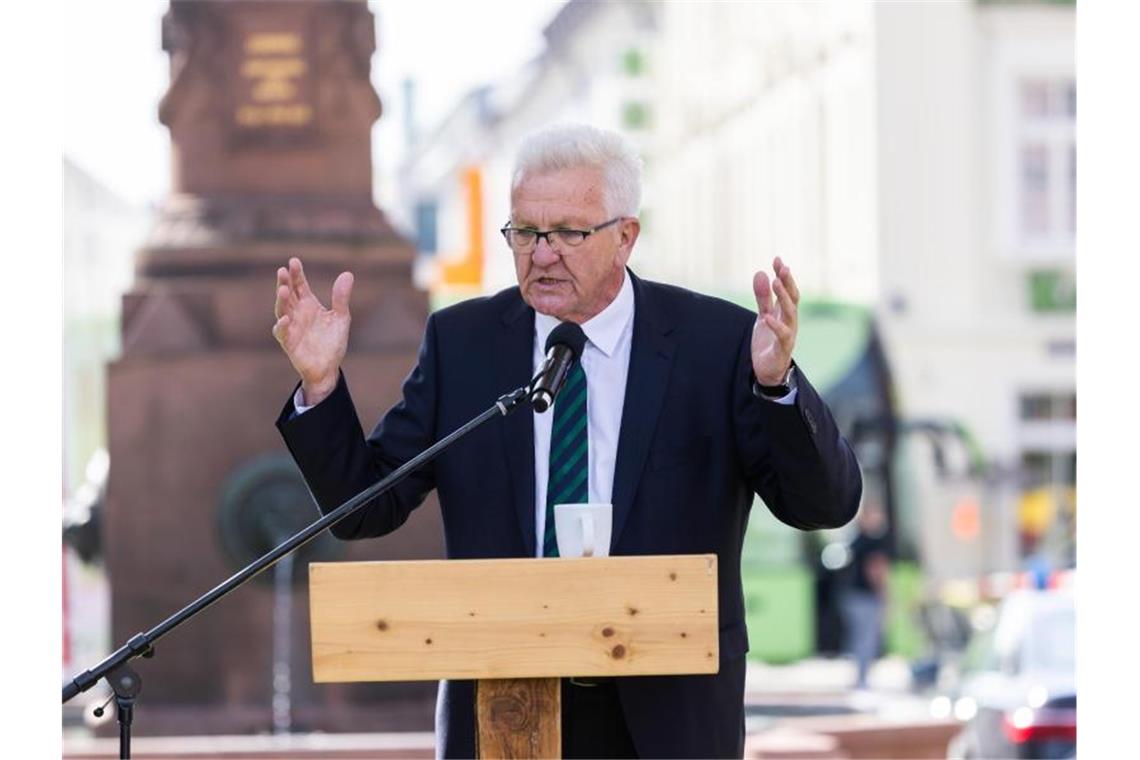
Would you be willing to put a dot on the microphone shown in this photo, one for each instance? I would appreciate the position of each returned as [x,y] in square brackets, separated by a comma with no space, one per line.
[563,348]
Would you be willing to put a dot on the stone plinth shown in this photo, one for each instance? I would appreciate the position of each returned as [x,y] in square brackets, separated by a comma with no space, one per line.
[270,111]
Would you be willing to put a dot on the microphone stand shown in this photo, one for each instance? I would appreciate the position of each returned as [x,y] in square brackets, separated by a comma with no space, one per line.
[126,683]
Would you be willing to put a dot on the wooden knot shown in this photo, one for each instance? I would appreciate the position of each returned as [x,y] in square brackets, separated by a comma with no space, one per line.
[607,632]
[631,610]
[382,625]
[618,652]
[512,712]
[672,576]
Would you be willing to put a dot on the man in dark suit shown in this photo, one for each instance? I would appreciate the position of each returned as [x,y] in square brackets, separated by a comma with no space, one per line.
[686,407]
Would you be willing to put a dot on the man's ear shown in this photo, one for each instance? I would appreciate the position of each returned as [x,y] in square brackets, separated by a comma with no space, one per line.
[628,230]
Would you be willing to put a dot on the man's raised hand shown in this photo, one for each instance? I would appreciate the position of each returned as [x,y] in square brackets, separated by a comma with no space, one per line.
[774,334]
[314,338]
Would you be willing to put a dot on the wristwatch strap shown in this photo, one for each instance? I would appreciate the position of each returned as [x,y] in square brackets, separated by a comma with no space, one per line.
[780,390]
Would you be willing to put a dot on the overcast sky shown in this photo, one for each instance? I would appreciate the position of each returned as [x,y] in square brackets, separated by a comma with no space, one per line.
[116,73]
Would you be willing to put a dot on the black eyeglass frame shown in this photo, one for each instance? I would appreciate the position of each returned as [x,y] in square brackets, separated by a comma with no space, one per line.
[507,229]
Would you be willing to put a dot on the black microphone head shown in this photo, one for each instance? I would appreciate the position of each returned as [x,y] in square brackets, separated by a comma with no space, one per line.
[570,335]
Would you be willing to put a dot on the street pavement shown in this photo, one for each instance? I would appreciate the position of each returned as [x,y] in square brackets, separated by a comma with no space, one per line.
[808,709]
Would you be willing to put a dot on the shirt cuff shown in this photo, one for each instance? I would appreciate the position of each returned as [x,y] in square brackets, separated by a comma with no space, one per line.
[298,402]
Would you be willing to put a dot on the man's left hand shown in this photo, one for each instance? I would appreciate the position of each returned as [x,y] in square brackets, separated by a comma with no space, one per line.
[774,334]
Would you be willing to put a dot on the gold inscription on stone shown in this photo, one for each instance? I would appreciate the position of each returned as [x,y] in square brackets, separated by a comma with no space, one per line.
[279,43]
[274,90]
[295,115]
[274,67]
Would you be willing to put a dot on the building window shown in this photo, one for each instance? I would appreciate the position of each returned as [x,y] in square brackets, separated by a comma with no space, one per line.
[634,115]
[1052,290]
[1073,188]
[1036,407]
[1034,190]
[633,62]
[1046,164]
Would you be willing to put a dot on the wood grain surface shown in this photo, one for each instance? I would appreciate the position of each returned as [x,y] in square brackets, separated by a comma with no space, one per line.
[514,618]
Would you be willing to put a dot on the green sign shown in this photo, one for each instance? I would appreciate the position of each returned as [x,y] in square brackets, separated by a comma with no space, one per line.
[1052,290]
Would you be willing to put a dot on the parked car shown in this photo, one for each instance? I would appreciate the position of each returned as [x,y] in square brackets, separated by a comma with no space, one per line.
[1018,695]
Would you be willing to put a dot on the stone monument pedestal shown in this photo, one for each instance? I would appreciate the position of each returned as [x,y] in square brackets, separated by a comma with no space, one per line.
[270,110]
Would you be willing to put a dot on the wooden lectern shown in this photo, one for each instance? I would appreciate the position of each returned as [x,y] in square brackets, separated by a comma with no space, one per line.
[516,625]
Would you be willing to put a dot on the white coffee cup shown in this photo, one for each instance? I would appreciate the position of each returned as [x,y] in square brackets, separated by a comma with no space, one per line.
[583,530]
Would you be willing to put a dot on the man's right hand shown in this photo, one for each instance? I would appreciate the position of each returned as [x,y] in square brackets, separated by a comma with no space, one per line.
[314,338]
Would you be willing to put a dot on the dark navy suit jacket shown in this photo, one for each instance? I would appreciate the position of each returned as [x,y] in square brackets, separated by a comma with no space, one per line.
[695,445]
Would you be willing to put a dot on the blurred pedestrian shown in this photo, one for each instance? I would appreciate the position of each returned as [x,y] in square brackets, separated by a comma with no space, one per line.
[865,597]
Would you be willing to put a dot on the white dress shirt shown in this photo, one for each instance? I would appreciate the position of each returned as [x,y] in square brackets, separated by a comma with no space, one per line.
[605,360]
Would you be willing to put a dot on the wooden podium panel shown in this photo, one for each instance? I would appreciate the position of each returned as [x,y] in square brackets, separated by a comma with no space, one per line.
[514,618]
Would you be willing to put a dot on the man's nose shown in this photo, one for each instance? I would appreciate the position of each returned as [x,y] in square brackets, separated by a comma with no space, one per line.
[543,254]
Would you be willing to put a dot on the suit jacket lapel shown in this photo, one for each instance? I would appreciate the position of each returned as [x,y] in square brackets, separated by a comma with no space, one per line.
[514,349]
[650,362]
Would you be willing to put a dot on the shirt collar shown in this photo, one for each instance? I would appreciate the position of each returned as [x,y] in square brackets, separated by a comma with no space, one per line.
[605,328]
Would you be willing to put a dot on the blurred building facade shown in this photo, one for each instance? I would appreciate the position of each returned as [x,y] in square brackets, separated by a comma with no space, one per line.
[764,115]
[976,185]
[918,158]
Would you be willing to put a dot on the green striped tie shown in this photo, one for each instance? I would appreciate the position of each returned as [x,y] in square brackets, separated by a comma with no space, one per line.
[569,476]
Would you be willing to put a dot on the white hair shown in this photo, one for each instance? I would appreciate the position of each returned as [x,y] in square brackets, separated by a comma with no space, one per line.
[571,146]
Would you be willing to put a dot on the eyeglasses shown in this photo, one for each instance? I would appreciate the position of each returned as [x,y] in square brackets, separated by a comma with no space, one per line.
[524,240]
